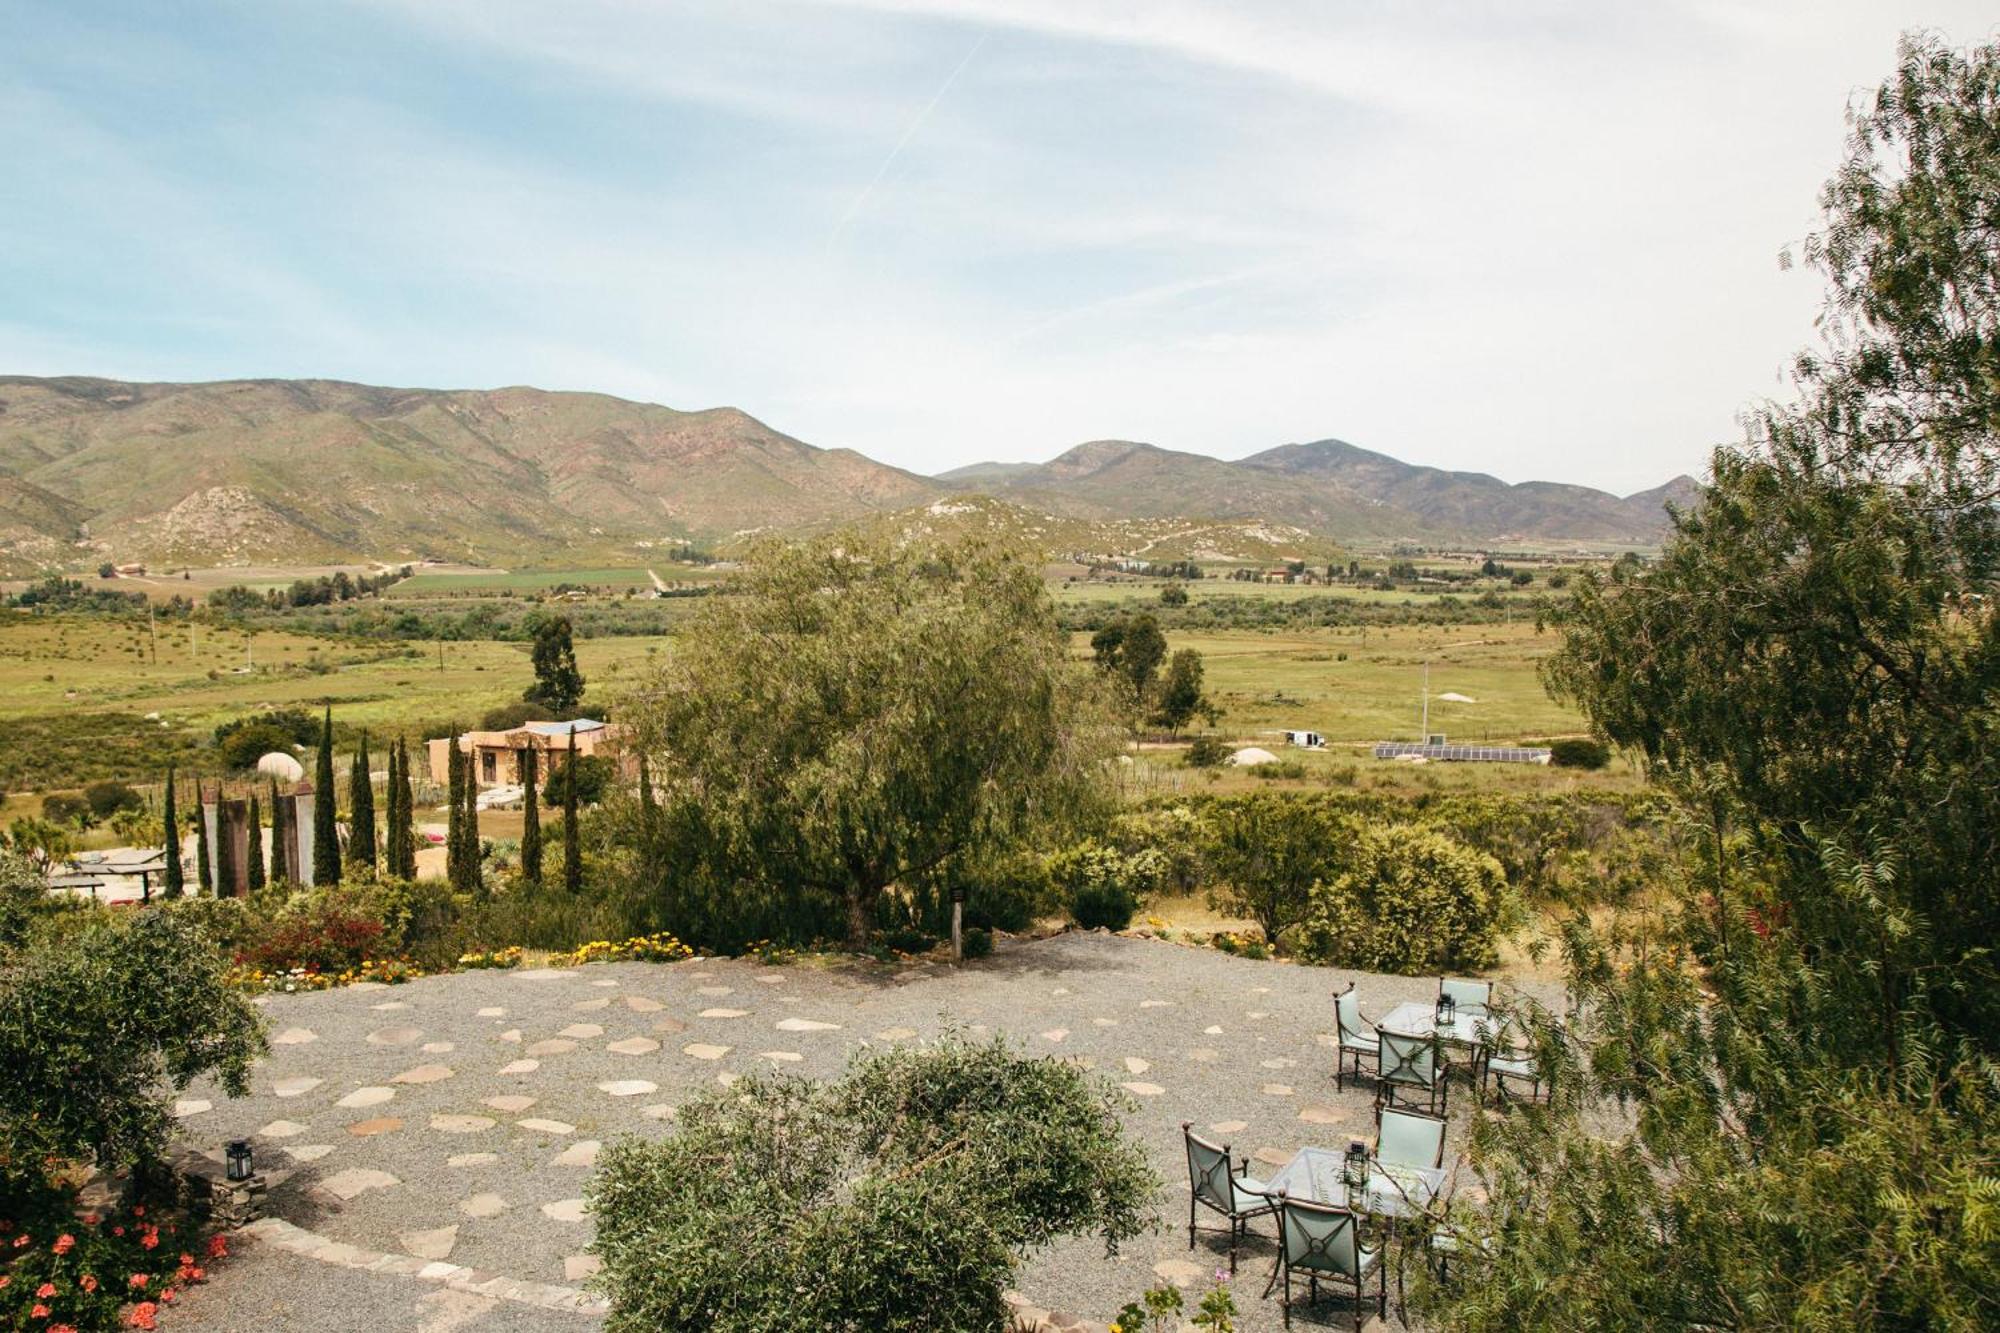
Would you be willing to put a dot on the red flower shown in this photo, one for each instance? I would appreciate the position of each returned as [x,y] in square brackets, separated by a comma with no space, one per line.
[142,1315]
[150,1239]
[138,1280]
[20,1240]
[218,1248]
[87,1282]
[91,1219]
[187,1261]
[139,1210]
[4,1280]
[46,1290]
[118,1231]
[40,1312]
[62,1328]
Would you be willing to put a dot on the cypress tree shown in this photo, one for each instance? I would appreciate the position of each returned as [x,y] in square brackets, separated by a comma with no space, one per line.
[326,827]
[572,844]
[475,873]
[281,812]
[407,803]
[361,809]
[172,883]
[531,817]
[454,835]
[204,867]
[253,867]
[392,847]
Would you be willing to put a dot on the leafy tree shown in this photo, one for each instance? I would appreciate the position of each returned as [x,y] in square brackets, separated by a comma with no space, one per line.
[858,714]
[531,818]
[171,883]
[900,1197]
[1405,898]
[326,826]
[1269,851]
[1805,1036]
[1179,699]
[558,684]
[1174,594]
[589,774]
[144,1011]
[43,841]
[1132,647]
[107,798]
[361,809]
[253,869]
[246,744]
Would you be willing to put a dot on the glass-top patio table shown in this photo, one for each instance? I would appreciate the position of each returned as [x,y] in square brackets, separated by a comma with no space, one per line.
[1392,1191]
[1468,1029]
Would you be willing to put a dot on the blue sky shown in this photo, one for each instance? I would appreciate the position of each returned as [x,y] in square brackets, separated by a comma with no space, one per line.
[1537,239]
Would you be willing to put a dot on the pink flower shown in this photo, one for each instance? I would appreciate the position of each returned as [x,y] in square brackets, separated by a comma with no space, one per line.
[138,1280]
[46,1290]
[64,1243]
[87,1282]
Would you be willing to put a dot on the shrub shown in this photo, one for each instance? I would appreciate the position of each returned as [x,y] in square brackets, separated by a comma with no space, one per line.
[245,744]
[317,935]
[1269,850]
[1579,752]
[1103,885]
[1206,752]
[976,943]
[900,1197]
[1408,899]
[61,808]
[904,939]
[1283,770]
[593,775]
[108,797]
[99,1025]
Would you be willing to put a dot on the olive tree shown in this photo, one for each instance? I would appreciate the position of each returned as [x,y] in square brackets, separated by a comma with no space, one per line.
[901,1196]
[854,714]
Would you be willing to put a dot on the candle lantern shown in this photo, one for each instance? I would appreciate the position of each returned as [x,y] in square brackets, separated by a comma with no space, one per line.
[1447,1010]
[240,1167]
[1355,1169]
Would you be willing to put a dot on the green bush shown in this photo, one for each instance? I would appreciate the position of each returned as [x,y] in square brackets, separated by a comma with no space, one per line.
[1103,886]
[107,798]
[100,1025]
[1407,899]
[62,808]
[593,775]
[1206,752]
[899,1198]
[976,943]
[1579,752]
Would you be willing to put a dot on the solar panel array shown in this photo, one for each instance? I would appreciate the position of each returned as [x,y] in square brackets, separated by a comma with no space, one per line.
[1487,754]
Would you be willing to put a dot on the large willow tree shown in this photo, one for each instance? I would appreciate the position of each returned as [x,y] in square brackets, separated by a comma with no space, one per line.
[852,714]
[1806,1043]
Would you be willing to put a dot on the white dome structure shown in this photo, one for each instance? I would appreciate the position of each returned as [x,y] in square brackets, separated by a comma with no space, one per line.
[281,766]
[1252,755]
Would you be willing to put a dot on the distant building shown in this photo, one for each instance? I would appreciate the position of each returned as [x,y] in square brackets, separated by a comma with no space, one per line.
[1306,740]
[1437,750]
[496,755]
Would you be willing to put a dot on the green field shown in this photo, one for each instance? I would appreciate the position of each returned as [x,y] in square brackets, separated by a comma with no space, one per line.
[525,580]
[75,683]
[1087,591]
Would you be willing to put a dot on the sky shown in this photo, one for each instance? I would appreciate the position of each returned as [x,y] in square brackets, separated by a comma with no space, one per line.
[1539,239]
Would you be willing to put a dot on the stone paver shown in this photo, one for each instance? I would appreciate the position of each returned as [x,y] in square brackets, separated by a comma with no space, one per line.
[361,1098]
[357,1180]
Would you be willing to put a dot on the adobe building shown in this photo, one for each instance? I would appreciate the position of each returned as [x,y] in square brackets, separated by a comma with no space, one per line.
[496,755]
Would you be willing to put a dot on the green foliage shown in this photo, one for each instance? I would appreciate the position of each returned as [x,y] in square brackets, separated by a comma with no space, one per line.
[1174,594]
[593,777]
[1104,886]
[558,684]
[976,942]
[1268,851]
[1179,699]
[241,743]
[531,817]
[1206,752]
[1579,752]
[361,809]
[1804,1042]
[1405,899]
[858,714]
[101,1024]
[900,1197]
[107,797]
[326,828]
[1132,648]
[172,880]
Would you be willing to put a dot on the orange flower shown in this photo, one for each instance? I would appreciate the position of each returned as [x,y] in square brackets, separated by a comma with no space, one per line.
[87,1282]
[142,1315]
[218,1248]
[40,1312]
[138,1280]
[46,1290]
[63,1243]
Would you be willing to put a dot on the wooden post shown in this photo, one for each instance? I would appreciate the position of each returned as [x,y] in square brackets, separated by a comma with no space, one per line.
[957,924]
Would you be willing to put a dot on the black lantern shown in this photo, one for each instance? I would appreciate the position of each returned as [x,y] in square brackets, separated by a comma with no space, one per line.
[239,1159]
[1447,1010]
[1354,1171]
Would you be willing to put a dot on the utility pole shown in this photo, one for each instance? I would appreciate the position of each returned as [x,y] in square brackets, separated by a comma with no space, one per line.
[153,633]
[1426,724]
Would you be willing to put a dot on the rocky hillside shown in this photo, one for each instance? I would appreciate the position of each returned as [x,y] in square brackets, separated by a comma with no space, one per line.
[300,471]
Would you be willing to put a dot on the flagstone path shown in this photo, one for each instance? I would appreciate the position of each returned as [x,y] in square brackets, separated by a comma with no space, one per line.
[411,1145]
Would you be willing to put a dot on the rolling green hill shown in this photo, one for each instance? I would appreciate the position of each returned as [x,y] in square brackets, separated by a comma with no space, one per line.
[307,471]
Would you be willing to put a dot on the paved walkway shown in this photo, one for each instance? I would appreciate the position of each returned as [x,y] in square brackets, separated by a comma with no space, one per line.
[439,1134]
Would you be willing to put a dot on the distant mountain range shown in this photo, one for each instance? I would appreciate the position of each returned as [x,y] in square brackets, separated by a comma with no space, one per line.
[298,471]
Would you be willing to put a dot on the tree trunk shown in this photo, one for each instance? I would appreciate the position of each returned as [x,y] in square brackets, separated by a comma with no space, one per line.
[858,899]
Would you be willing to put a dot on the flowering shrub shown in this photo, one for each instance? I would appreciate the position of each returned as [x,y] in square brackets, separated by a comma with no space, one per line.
[497,958]
[291,981]
[324,938]
[65,1268]
[660,947]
